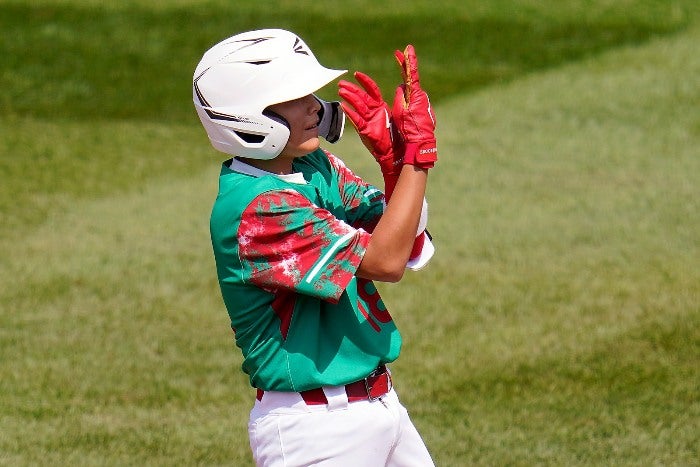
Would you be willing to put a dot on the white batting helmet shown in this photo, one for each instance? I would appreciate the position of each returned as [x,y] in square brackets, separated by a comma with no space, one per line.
[238,78]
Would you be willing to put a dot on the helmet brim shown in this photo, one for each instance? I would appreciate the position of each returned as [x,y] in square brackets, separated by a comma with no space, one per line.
[302,81]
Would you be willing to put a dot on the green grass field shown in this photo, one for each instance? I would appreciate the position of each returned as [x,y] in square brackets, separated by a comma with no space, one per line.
[558,324]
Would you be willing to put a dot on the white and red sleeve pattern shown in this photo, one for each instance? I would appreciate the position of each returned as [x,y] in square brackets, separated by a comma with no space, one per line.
[286,242]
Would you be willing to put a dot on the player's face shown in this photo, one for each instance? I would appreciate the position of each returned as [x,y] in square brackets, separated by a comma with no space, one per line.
[302,116]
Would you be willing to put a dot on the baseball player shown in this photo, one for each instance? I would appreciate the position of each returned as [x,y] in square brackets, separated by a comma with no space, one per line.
[298,240]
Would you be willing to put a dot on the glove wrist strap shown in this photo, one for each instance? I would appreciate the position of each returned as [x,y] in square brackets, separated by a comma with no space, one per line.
[422,154]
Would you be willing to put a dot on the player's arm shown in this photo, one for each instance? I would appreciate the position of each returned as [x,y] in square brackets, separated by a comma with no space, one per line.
[412,148]
[393,238]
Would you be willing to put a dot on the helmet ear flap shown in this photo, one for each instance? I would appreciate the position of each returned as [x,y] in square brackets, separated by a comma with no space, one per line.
[331,120]
[276,117]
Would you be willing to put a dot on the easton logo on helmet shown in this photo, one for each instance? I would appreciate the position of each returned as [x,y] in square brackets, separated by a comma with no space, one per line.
[299,48]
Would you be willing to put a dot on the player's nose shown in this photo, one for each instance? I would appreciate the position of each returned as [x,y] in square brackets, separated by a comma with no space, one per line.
[313,105]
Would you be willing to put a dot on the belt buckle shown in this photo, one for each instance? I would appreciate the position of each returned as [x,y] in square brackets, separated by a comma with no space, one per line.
[378,372]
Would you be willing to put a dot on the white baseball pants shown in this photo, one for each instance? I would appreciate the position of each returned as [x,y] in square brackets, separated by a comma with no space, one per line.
[284,431]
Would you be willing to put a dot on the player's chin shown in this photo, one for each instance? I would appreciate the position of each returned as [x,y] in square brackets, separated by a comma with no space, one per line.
[311,144]
[303,148]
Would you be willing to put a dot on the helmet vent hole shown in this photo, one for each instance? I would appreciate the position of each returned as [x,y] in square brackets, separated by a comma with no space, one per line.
[260,62]
[250,138]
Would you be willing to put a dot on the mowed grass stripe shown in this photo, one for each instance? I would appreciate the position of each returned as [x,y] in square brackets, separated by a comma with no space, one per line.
[64,60]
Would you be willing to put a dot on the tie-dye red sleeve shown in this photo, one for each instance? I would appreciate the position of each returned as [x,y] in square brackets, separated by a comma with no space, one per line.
[287,242]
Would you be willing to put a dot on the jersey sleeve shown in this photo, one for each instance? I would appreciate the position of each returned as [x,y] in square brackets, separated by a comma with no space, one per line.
[286,242]
[364,203]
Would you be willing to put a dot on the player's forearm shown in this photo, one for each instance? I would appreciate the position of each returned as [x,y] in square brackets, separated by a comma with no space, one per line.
[393,238]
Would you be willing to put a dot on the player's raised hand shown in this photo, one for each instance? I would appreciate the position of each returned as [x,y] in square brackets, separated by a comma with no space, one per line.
[413,115]
[371,117]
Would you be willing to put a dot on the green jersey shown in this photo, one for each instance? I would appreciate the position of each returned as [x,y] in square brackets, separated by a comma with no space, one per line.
[287,249]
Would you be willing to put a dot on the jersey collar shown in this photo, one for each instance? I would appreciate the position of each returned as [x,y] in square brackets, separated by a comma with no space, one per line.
[242,167]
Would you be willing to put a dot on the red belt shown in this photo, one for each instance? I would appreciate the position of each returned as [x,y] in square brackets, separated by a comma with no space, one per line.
[370,388]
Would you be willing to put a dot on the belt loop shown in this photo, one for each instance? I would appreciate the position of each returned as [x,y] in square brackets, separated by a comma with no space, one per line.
[337,397]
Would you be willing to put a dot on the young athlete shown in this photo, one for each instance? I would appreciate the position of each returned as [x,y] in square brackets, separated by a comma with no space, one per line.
[298,239]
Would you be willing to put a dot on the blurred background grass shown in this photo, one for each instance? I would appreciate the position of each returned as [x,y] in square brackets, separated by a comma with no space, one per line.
[557,325]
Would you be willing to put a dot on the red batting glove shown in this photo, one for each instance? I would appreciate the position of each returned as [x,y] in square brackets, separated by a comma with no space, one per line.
[412,114]
[370,116]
